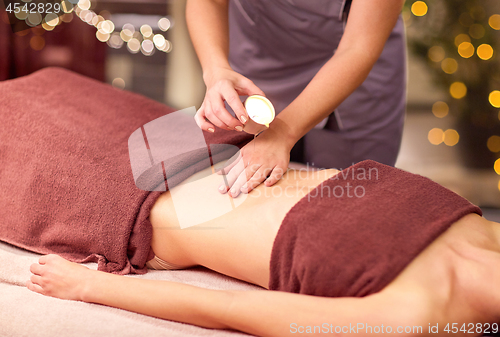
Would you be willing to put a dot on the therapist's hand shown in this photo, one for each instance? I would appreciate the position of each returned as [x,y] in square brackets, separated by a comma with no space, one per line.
[265,158]
[224,84]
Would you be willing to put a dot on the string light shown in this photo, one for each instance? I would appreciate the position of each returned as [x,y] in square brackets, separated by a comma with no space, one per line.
[494,21]
[435,136]
[419,8]
[449,65]
[458,90]
[440,109]
[494,98]
[466,50]
[436,53]
[497,166]
[118,83]
[476,31]
[484,51]
[142,40]
[493,144]
[461,38]
[451,137]
[164,24]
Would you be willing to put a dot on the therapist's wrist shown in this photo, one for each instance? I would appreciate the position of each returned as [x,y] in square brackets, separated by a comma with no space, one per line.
[284,132]
[214,73]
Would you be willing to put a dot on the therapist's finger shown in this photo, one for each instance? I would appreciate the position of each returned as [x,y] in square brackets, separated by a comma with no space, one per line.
[246,86]
[212,117]
[242,179]
[233,100]
[218,110]
[232,175]
[202,122]
[256,179]
[229,95]
[275,175]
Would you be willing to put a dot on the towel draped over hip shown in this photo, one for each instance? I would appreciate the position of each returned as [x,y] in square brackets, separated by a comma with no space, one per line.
[355,232]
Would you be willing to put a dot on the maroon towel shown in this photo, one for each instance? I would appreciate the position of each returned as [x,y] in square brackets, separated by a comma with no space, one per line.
[357,239]
[66,184]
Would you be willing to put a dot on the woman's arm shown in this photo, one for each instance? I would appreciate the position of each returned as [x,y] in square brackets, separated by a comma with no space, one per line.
[209,29]
[263,313]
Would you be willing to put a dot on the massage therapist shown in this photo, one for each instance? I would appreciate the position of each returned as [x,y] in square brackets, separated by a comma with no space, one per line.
[334,70]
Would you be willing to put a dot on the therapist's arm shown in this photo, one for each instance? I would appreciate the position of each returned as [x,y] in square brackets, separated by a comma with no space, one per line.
[369,25]
[209,29]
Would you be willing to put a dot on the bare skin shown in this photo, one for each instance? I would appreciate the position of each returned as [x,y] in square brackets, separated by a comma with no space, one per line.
[454,280]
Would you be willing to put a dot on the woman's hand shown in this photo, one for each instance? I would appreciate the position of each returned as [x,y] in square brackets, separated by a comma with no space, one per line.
[224,84]
[264,158]
[57,277]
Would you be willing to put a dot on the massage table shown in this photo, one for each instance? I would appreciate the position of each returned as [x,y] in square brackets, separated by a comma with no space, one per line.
[25,313]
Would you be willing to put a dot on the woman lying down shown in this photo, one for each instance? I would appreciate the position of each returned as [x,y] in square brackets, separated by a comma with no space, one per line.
[369,249]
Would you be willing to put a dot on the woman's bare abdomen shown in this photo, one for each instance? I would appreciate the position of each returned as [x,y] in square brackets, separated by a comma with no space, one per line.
[239,240]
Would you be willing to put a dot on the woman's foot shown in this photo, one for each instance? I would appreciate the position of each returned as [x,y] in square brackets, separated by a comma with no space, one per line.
[57,277]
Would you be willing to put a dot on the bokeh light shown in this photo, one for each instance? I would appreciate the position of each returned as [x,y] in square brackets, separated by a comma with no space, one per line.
[52,19]
[461,38]
[34,19]
[103,37]
[458,90]
[476,31]
[84,4]
[494,21]
[147,47]
[436,136]
[419,8]
[451,137]
[96,20]
[449,65]
[477,13]
[21,15]
[106,27]
[440,109]
[484,51]
[494,98]
[466,49]
[134,45]
[436,53]
[115,41]
[159,41]
[66,6]
[47,27]
[497,166]
[37,43]
[164,24]
[118,83]
[493,144]
[146,30]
